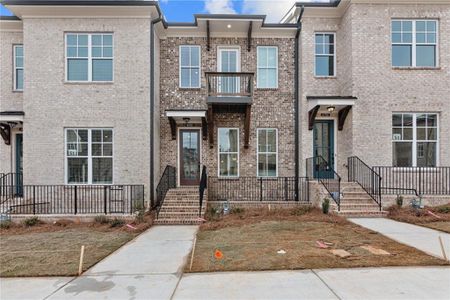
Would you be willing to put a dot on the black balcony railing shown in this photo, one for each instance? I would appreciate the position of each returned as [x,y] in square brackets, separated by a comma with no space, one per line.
[168,181]
[366,177]
[225,84]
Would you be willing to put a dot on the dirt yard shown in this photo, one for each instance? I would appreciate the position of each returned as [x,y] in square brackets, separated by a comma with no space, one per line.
[54,249]
[433,217]
[295,239]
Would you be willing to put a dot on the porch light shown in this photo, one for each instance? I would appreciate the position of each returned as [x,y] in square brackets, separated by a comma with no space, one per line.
[331,108]
[229,26]
[186,120]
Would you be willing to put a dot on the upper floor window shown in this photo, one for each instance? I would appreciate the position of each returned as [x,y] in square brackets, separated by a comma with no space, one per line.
[189,66]
[18,67]
[414,43]
[325,54]
[89,57]
[267,76]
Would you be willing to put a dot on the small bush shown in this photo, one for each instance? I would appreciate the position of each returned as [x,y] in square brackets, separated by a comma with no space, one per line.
[139,213]
[399,201]
[301,210]
[237,210]
[101,219]
[5,224]
[116,222]
[31,221]
[212,213]
[444,209]
[326,205]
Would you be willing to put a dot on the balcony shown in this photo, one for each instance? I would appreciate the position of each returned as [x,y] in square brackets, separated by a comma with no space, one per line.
[230,87]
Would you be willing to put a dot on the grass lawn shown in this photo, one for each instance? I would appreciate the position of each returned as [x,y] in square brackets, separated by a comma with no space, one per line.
[432,217]
[250,241]
[54,250]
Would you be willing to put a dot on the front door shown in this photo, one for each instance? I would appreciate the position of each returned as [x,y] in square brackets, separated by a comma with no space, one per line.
[324,147]
[229,62]
[189,156]
[19,164]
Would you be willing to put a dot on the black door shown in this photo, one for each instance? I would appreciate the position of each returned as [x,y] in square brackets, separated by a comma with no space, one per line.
[189,156]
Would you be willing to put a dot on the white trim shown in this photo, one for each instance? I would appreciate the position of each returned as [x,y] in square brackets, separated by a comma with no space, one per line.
[178,151]
[15,68]
[190,67]
[11,118]
[266,68]
[186,113]
[328,102]
[257,152]
[218,153]
[334,54]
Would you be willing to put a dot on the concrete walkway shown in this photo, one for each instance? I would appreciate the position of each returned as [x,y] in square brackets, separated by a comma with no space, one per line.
[422,238]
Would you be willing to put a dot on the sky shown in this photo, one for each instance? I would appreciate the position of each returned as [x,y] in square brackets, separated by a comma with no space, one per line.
[183,10]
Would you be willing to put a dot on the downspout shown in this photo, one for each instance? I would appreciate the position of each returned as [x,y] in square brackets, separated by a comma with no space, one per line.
[296,103]
[152,107]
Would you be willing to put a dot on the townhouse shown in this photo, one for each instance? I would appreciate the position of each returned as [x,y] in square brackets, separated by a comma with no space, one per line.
[109,104]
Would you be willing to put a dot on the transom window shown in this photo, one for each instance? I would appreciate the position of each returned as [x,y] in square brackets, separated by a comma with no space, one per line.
[267,152]
[189,66]
[228,152]
[18,67]
[414,43]
[89,156]
[325,54]
[89,57]
[267,57]
[415,139]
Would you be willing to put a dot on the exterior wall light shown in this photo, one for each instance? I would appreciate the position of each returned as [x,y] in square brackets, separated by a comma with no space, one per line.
[331,108]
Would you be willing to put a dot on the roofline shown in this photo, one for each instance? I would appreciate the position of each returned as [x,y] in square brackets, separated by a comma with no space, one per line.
[333,3]
[9,18]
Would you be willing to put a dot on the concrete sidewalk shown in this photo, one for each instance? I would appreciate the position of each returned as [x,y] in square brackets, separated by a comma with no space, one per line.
[422,238]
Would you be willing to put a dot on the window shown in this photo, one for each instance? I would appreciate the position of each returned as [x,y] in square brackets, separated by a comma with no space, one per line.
[267,74]
[415,139]
[325,54]
[267,152]
[228,152]
[18,67]
[190,66]
[89,57]
[89,156]
[414,43]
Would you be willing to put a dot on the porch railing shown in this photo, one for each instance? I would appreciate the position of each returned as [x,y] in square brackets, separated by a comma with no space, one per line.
[74,199]
[168,181]
[10,185]
[223,84]
[202,186]
[426,180]
[255,189]
[318,168]
[366,177]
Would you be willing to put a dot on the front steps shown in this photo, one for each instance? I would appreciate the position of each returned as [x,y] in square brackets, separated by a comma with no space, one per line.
[355,202]
[180,207]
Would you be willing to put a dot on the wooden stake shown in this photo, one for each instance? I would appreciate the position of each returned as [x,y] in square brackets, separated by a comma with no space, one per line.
[442,247]
[192,254]
[80,267]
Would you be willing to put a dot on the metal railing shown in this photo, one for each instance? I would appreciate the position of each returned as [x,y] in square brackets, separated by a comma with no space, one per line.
[426,180]
[168,181]
[10,185]
[222,84]
[318,168]
[366,177]
[74,199]
[202,186]
[257,189]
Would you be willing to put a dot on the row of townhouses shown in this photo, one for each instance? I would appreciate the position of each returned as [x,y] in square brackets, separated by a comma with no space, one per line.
[106,99]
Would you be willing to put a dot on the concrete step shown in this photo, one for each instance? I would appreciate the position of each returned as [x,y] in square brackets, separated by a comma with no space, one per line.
[177,214]
[357,200]
[359,207]
[192,221]
[362,214]
[181,209]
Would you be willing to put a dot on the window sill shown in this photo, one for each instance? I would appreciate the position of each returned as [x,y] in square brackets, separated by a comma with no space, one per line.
[325,77]
[416,68]
[189,89]
[228,178]
[267,89]
[88,82]
[17,91]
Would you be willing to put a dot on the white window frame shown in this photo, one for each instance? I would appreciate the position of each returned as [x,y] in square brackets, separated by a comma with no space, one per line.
[258,152]
[266,67]
[89,156]
[414,139]
[218,153]
[334,54]
[190,67]
[89,57]
[414,44]
[15,68]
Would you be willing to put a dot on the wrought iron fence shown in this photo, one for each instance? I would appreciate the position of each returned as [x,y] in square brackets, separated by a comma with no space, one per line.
[168,181]
[10,184]
[366,177]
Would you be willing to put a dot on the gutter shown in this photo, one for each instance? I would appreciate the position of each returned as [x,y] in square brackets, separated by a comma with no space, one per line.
[296,102]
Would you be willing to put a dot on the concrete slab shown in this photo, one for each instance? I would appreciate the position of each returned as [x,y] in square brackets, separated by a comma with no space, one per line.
[253,285]
[389,283]
[422,238]
[119,287]
[30,288]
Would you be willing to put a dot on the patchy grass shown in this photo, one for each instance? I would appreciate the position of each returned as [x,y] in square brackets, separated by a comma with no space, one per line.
[250,240]
[433,217]
[54,249]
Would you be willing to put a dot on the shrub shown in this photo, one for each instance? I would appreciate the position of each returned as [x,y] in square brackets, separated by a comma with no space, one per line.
[101,219]
[116,222]
[301,210]
[139,213]
[31,221]
[5,224]
[212,213]
[399,201]
[237,210]
[444,209]
[326,205]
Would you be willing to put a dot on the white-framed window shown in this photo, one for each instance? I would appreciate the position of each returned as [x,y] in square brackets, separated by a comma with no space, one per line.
[228,152]
[89,57]
[325,54]
[267,152]
[18,67]
[415,139]
[414,43]
[267,72]
[89,155]
[189,66]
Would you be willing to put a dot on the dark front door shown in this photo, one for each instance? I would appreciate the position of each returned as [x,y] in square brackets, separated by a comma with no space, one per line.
[189,156]
[324,147]
[19,165]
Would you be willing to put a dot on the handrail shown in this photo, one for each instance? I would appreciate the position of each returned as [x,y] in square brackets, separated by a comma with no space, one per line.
[167,182]
[317,165]
[203,185]
[366,177]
